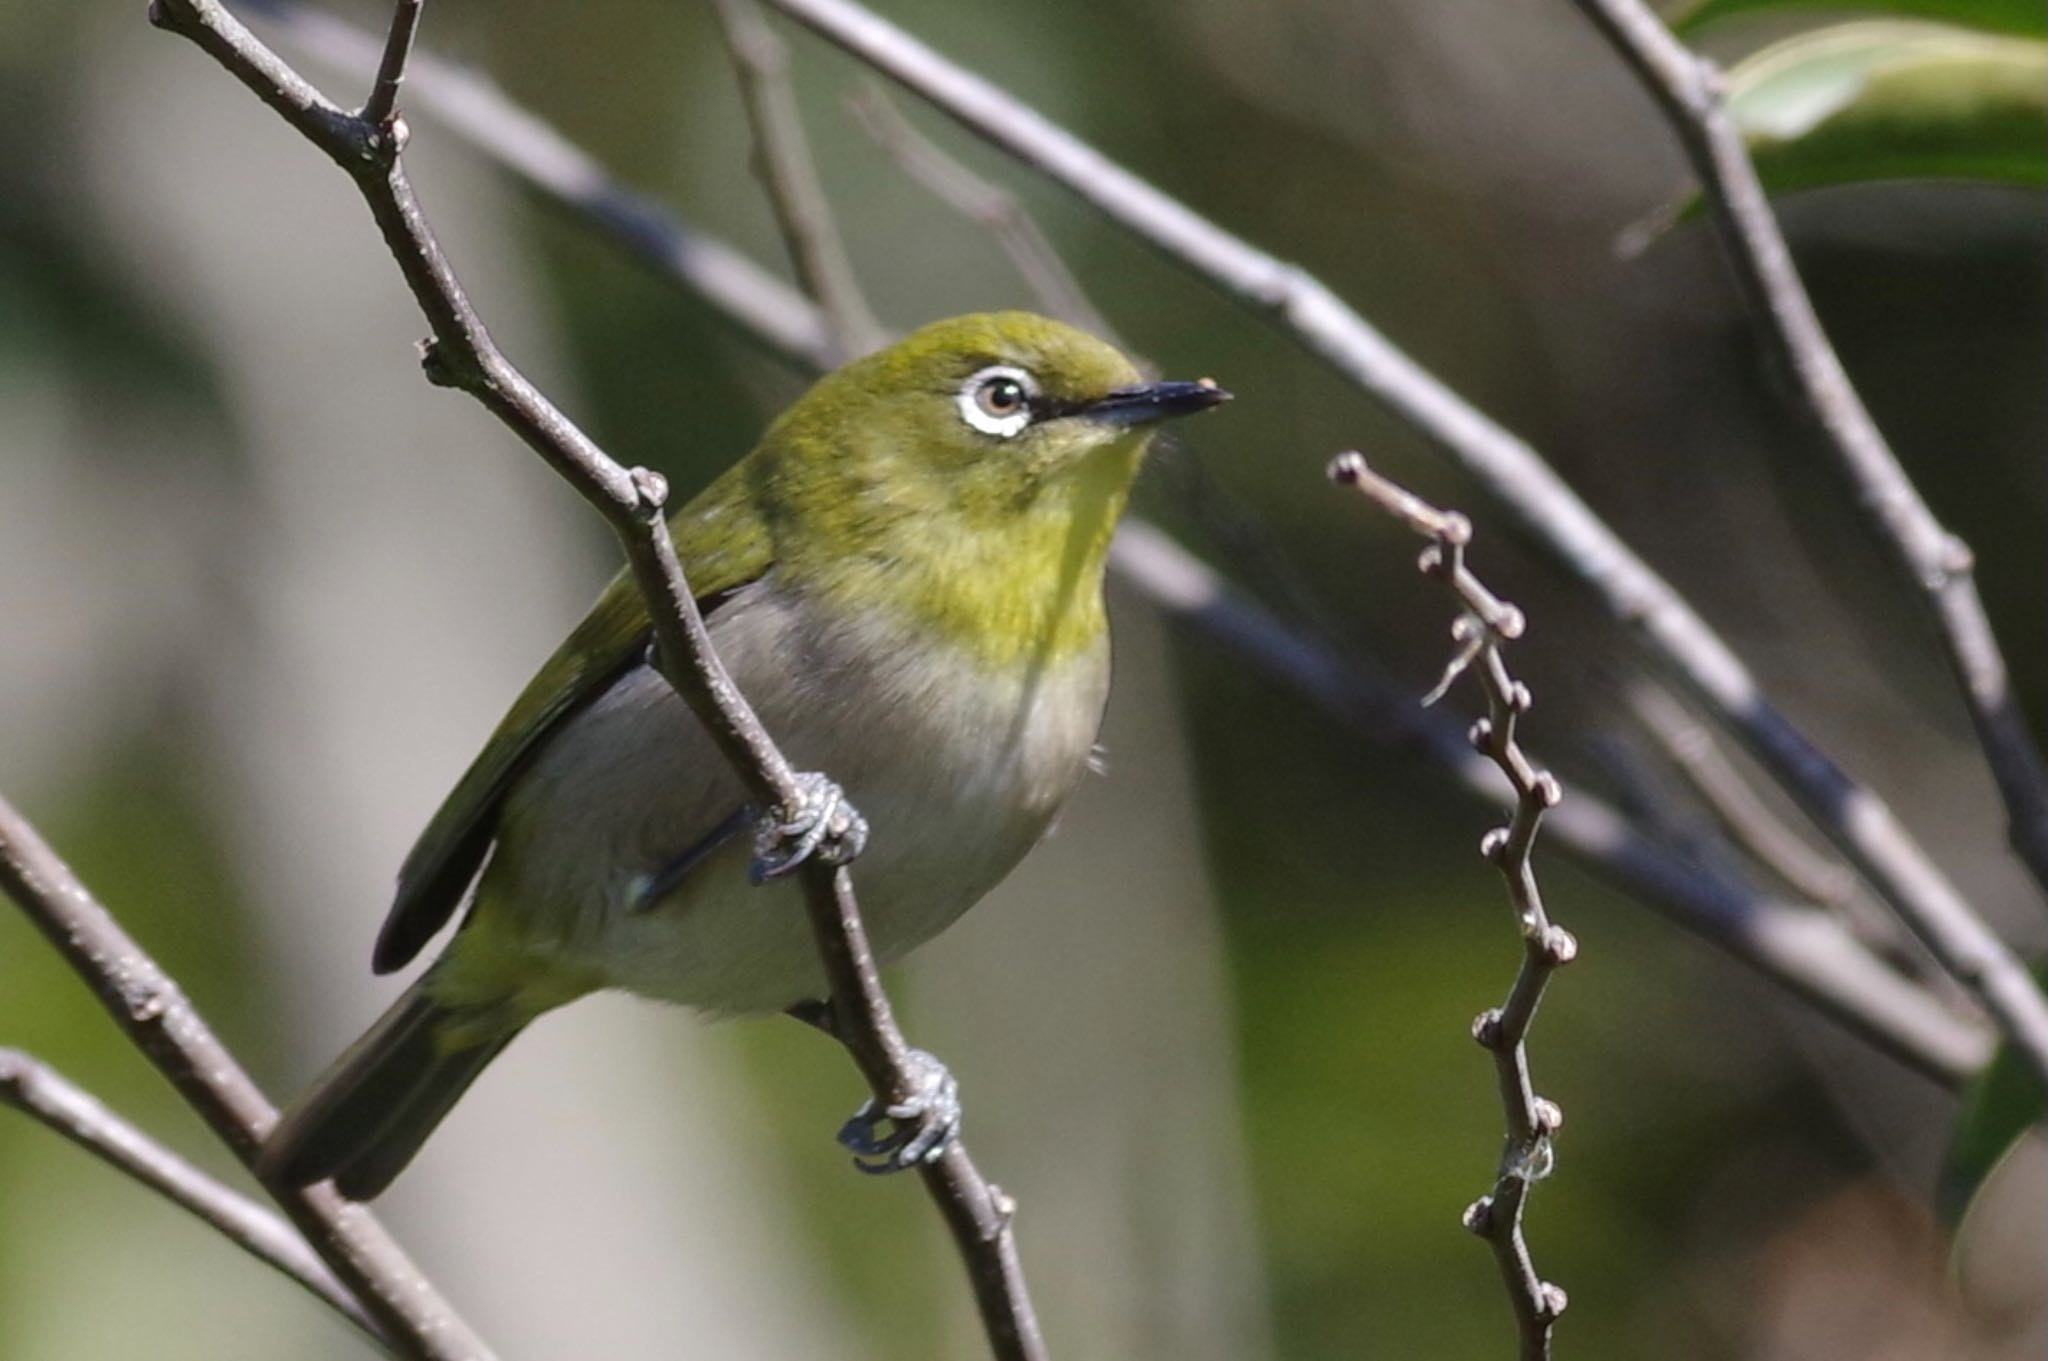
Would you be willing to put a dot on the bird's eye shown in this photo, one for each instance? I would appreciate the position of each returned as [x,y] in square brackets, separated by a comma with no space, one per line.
[999,397]
[997,401]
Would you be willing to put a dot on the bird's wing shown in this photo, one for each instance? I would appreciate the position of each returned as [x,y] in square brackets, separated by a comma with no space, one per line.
[724,546]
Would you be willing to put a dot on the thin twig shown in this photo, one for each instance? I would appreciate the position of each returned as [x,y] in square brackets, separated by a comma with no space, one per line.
[383,101]
[988,205]
[461,354]
[1851,815]
[1485,623]
[1742,814]
[1799,948]
[782,157]
[154,1013]
[1690,91]
[1743,824]
[44,1094]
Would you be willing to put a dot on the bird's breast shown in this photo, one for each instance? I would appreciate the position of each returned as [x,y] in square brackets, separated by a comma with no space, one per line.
[960,764]
[959,767]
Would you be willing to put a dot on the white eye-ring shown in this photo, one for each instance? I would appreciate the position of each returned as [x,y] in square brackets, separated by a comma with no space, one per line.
[997,400]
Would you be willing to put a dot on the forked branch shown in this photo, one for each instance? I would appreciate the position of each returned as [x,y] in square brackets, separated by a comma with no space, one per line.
[155,1014]
[461,354]
[1485,622]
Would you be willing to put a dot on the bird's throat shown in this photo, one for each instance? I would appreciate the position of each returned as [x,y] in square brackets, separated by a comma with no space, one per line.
[1023,591]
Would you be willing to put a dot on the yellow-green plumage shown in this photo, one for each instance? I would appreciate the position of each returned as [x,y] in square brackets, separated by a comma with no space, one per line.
[905,577]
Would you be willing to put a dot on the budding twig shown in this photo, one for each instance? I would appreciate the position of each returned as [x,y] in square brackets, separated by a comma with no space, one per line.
[1485,623]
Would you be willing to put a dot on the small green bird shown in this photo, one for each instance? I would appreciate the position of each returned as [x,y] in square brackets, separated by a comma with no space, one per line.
[905,578]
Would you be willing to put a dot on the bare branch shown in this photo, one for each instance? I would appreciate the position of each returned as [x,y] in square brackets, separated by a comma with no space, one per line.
[461,354]
[1527,1155]
[154,1013]
[782,157]
[1851,815]
[988,205]
[44,1094]
[1689,90]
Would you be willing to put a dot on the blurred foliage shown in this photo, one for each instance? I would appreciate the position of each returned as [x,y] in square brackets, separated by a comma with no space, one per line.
[1883,100]
[2003,1106]
[2001,16]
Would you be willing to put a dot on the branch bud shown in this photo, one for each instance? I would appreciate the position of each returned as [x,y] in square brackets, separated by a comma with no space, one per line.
[652,489]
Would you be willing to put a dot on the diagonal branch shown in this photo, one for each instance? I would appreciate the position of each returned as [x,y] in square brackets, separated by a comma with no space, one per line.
[1851,815]
[461,354]
[1689,90]
[42,1093]
[782,157]
[1485,624]
[154,1013]
[1799,948]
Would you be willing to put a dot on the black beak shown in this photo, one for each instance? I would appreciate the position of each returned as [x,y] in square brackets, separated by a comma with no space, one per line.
[1154,402]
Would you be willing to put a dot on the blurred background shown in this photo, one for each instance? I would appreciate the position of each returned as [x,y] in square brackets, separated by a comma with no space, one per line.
[265,591]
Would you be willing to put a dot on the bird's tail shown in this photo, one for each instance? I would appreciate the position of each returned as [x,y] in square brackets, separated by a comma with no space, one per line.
[368,1114]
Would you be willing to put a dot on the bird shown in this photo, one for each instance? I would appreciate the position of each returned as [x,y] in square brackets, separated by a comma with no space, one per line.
[905,579]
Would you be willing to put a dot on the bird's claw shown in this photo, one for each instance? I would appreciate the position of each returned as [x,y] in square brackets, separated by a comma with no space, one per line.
[921,1129]
[823,824]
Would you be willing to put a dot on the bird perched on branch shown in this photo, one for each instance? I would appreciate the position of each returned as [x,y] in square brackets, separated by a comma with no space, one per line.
[905,578]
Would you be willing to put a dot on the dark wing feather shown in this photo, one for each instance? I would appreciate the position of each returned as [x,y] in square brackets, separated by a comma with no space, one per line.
[725,546]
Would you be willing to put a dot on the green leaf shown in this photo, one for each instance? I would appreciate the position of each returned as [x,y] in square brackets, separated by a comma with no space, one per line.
[1999,1108]
[1999,16]
[1889,100]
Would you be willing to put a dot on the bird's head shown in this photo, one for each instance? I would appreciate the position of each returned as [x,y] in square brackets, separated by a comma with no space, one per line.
[987,414]
[968,477]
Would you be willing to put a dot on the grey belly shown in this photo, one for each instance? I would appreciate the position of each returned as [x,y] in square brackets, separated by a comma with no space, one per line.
[958,771]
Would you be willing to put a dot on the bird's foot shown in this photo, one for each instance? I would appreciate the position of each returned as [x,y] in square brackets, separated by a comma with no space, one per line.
[920,1129]
[823,824]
